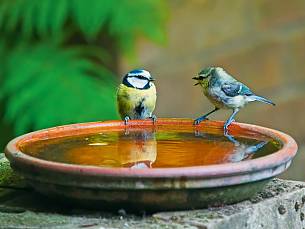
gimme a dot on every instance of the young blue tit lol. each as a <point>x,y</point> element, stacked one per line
<point>136,96</point>
<point>224,92</point>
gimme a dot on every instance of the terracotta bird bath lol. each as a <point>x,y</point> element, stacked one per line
<point>171,165</point>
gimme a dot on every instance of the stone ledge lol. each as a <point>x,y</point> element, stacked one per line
<point>7,176</point>
<point>280,205</point>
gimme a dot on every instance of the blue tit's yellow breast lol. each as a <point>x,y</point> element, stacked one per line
<point>205,86</point>
<point>129,99</point>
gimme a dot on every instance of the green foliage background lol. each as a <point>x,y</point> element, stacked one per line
<point>57,57</point>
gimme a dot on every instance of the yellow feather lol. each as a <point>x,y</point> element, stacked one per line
<point>205,87</point>
<point>129,98</point>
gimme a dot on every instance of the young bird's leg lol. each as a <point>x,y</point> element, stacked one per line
<point>230,120</point>
<point>232,139</point>
<point>153,118</point>
<point>204,117</point>
<point>126,119</point>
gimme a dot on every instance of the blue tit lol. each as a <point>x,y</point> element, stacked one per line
<point>224,92</point>
<point>136,96</point>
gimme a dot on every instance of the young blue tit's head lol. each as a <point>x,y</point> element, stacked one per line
<point>204,75</point>
<point>139,78</point>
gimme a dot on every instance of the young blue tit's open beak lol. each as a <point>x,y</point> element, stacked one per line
<point>151,79</point>
<point>196,78</point>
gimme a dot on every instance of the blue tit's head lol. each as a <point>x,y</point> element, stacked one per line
<point>204,75</point>
<point>139,78</point>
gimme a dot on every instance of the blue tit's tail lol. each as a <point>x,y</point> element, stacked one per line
<point>262,99</point>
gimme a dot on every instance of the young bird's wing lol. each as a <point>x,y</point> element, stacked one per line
<point>235,88</point>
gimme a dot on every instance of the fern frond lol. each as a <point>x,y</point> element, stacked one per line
<point>138,17</point>
<point>53,86</point>
<point>11,14</point>
<point>124,19</point>
<point>91,17</point>
<point>51,16</point>
<point>45,17</point>
<point>47,81</point>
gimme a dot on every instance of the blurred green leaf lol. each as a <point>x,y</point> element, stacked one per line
<point>138,17</point>
<point>53,56</point>
<point>125,19</point>
<point>43,17</point>
<point>40,94</point>
<point>51,16</point>
<point>92,15</point>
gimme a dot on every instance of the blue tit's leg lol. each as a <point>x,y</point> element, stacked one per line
<point>232,139</point>
<point>126,119</point>
<point>204,117</point>
<point>230,120</point>
<point>153,118</point>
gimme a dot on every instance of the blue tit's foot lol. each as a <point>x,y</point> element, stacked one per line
<point>200,119</point>
<point>204,117</point>
<point>226,126</point>
<point>153,118</point>
<point>229,121</point>
<point>126,119</point>
<point>225,129</point>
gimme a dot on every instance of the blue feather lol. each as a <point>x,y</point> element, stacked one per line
<point>262,99</point>
<point>135,71</point>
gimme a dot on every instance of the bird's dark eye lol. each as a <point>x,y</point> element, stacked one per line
<point>201,77</point>
<point>141,77</point>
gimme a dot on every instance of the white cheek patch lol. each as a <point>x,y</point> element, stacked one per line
<point>136,82</point>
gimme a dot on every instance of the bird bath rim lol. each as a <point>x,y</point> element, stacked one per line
<point>277,161</point>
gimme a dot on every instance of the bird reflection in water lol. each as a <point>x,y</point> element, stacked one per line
<point>138,148</point>
<point>241,150</point>
<point>145,148</point>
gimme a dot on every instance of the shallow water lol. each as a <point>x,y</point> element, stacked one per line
<point>149,148</point>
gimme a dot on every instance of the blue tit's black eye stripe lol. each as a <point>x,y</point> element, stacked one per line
<point>136,76</point>
<point>140,77</point>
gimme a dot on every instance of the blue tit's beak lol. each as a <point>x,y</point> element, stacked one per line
<point>151,79</point>
<point>196,78</point>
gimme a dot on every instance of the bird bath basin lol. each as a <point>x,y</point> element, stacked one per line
<point>171,165</point>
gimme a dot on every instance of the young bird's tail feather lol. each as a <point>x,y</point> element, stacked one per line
<point>262,99</point>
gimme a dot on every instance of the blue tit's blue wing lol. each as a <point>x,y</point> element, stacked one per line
<point>235,88</point>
